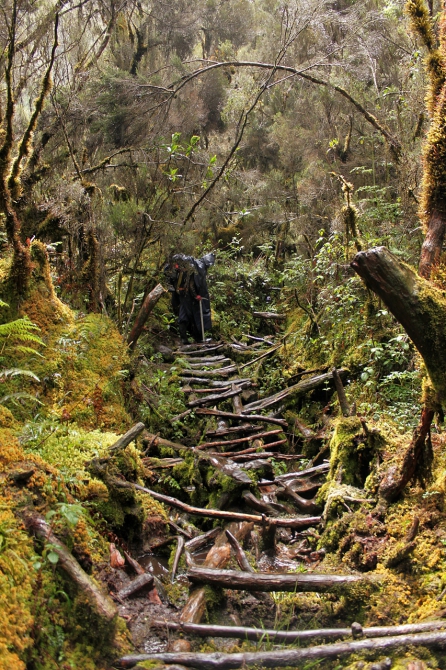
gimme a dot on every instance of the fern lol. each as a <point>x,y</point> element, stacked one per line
<point>16,337</point>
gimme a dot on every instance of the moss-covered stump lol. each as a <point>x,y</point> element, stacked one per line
<point>351,452</point>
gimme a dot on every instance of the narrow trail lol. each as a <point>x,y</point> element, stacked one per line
<point>275,516</point>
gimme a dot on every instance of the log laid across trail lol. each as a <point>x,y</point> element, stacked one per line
<point>303,386</point>
<point>241,417</point>
<point>291,636</point>
<point>302,522</point>
<point>286,657</point>
<point>249,438</point>
<point>272,581</point>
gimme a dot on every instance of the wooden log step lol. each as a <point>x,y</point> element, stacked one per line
<point>273,316</point>
<point>227,443</point>
<point>241,417</point>
<point>206,359</point>
<point>292,636</point>
<point>214,383</point>
<point>301,522</point>
<point>300,388</point>
<point>286,657</point>
<point>187,389</point>
<point>197,349</point>
<point>218,372</point>
<point>317,469</point>
<point>209,364</point>
<point>243,428</point>
<point>273,581</point>
<point>215,398</point>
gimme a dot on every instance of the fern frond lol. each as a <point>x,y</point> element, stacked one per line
<point>28,350</point>
<point>19,396</point>
<point>15,372</point>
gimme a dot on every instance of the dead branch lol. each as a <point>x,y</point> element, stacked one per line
<point>100,601</point>
<point>125,440</point>
<point>142,582</point>
<point>303,522</point>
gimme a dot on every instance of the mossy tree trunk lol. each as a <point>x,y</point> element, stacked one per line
<point>433,190</point>
<point>421,310</point>
<point>418,306</point>
<point>14,155</point>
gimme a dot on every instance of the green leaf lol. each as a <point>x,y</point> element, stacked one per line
<point>53,557</point>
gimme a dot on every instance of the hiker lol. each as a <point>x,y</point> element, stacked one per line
<point>186,277</point>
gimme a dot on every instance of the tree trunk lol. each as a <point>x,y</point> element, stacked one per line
<point>147,306</point>
<point>418,306</point>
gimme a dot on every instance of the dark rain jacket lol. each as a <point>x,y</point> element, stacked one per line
<point>187,283</point>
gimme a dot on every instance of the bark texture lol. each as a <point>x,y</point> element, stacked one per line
<point>414,302</point>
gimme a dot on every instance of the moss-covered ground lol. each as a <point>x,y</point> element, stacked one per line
<point>87,390</point>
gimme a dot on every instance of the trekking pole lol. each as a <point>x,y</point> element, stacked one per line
<point>201,317</point>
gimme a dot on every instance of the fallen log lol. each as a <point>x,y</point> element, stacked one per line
<point>202,540</point>
<point>214,383</point>
<point>128,437</point>
<point>219,372</point>
<point>102,603</point>
<point>161,463</point>
<point>270,315</point>
<point>286,657</point>
<point>149,303</point>
<point>176,560</point>
<point>208,363</point>
<point>218,556</point>
<point>156,440</point>
<point>269,581</point>
<point>292,636</point>
<point>189,389</point>
<point>191,349</point>
<point>216,397</point>
<point>224,443</point>
<point>243,428</point>
<point>240,417</point>
<point>258,339</point>
<point>142,582</point>
<point>301,387</point>
<point>259,358</point>
<point>317,469</point>
<point>303,522</point>
<point>183,415</point>
<point>207,359</point>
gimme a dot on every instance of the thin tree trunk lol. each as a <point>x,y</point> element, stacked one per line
<point>147,306</point>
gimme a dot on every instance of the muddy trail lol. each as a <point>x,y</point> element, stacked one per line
<point>210,579</point>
